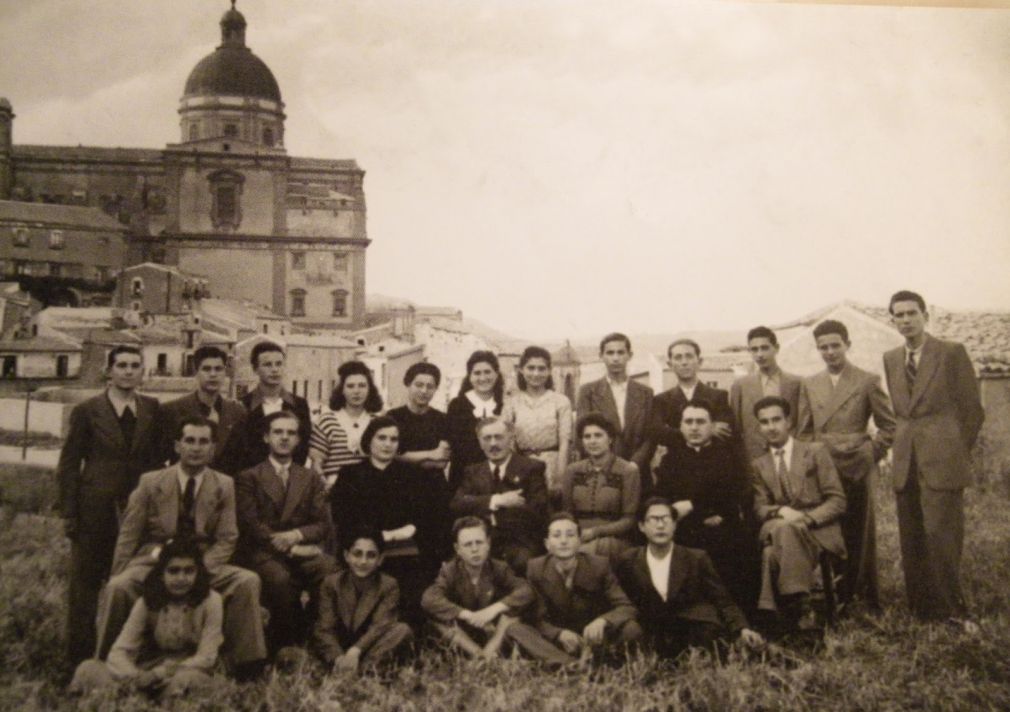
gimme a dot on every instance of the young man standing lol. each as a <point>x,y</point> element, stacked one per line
<point>939,415</point>
<point>112,439</point>
<point>624,402</point>
<point>835,409</point>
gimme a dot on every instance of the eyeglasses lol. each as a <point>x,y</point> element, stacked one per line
<point>658,519</point>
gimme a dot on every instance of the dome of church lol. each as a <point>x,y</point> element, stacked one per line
<point>232,69</point>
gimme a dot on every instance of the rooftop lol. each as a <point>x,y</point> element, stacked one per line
<point>53,215</point>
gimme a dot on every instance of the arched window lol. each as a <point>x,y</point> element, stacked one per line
<point>297,302</point>
<point>268,136</point>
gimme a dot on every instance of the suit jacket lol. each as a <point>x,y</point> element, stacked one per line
<point>743,394</point>
<point>264,508</point>
<point>153,511</point>
<point>938,419</point>
<point>523,524</point>
<point>453,591</point>
<point>254,449</point>
<point>96,463</point>
<point>347,620</point>
<point>668,406</point>
<point>227,441</point>
<point>632,442</point>
<point>816,491</point>
<point>694,593</point>
<point>595,593</point>
<point>838,415</point>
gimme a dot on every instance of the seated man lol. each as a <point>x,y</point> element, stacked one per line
<point>357,624</point>
<point>475,602</point>
<point>681,601</point>
<point>580,605</point>
<point>508,489</point>
<point>186,499</point>
<point>283,519</point>
<point>799,500</point>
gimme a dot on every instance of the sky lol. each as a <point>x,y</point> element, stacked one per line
<point>566,168</point>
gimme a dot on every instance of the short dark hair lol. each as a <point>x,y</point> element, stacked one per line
<point>599,420</point>
<point>153,589</point>
<point>643,509</point>
<point>684,342</point>
<point>489,358</point>
<point>373,401</point>
<point>198,421</point>
<point>422,368</point>
<point>530,353</point>
<point>122,349</point>
<point>563,516</point>
<point>831,326</point>
<point>264,347</point>
<point>280,415</point>
<point>770,401</point>
<point>763,332</point>
<point>488,420</point>
<point>703,403</point>
<point>374,426</point>
<point>469,522</point>
<point>615,336</point>
<point>205,352</point>
<point>370,533</point>
<point>906,295</point>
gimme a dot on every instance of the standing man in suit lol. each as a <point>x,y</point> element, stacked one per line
<point>767,380</point>
<point>283,520</point>
<point>211,364</point>
<point>507,489</point>
<point>799,500</point>
<point>625,403</point>
<point>112,439</point>
<point>269,397</point>
<point>939,414</point>
<point>835,408</point>
<point>187,499</point>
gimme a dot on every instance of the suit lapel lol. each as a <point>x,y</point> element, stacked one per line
<point>168,490</point>
<point>929,360</point>
<point>298,481</point>
<point>366,604</point>
<point>604,401</point>
<point>271,484</point>
<point>145,421</point>
<point>678,572</point>
<point>206,501</point>
<point>839,394</point>
<point>897,380</point>
<point>798,468</point>
<point>769,473</point>
<point>752,393</point>
<point>109,423</point>
<point>346,599</point>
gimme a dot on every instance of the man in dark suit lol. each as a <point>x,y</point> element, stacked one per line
<point>210,363</point>
<point>269,397</point>
<point>509,490</point>
<point>767,380</point>
<point>835,409</point>
<point>939,413</point>
<point>112,439</point>
<point>799,500</point>
<point>625,403</point>
<point>680,599</point>
<point>283,520</point>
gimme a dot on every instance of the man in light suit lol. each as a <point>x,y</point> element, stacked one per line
<point>835,408</point>
<point>211,364</point>
<point>939,415</point>
<point>507,489</point>
<point>283,520</point>
<point>767,380</point>
<point>112,439</point>
<point>799,500</point>
<point>191,500</point>
<point>625,403</point>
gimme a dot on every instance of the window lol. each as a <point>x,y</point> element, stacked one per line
<point>268,137</point>
<point>226,194</point>
<point>62,366</point>
<point>101,273</point>
<point>10,366</point>
<point>55,239</point>
<point>21,237</point>
<point>137,287</point>
<point>188,367</point>
<point>135,306</point>
<point>340,302</point>
<point>340,261</point>
<point>23,268</point>
<point>227,208</point>
<point>297,302</point>
<point>56,269</point>
<point>297,260</point>
<point>231,130</point>
<point>162,363</point>
<point>194,132</point>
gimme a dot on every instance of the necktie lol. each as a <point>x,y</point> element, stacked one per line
<point>910,368</point>
<point>783,472</point>
<point>128,424</point>
<point>496,473</point>
<point>283,474</point>
<point>187,522</point>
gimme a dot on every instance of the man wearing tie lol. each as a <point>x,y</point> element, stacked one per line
<point>939,415</point>
<point>509,490</point>
<point>624,402</point>
<point>112,439</point>
<point>191,500</point>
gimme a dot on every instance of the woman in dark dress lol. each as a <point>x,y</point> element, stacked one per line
<point>480,396</point>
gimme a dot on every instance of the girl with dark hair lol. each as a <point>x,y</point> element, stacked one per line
<point>336,433</point>
<point>169,644</point>
<point>541,416</point>
<point>480,395</point>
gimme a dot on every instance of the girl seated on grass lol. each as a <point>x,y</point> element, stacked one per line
<point>169,643</point>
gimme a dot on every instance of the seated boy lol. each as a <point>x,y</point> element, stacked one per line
<point>580,604</point>
<point>681,601</point>
<point>475,602</point>
<point>357,624</point>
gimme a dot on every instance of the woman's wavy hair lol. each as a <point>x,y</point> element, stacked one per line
<point>373,403</point>
<point>489,358</point>
<point>532,352</point>
<point>155,594</point>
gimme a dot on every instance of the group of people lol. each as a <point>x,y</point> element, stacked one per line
<point>206,525</point>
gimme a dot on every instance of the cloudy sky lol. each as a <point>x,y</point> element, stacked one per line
<point>565,168</point>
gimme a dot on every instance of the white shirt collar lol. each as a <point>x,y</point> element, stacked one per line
<point>120,404</point>
<point>481,408</point>
<point>787,450</point>
<point>688,392</point>
<point>182,478</point>
<point>502,467</point>
<point>659,571</point>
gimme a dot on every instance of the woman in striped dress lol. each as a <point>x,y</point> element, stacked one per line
<point>336,434</point>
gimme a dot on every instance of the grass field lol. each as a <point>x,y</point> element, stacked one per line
<point>885,663</point>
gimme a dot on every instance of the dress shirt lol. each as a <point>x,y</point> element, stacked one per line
<point>786,449</point>
<point>688,392</point>
<point>120,404</point>
<point>282,471</point>
<point>620,392</point>
<point>835,377</point>
<point>210,412</point>
<point>659,571</point>
<point>183,478</point>
<point>272,405</point>
<point>771,385</point>
<point>915,355</point>
<point>502,467</point>
<point>567,573</point>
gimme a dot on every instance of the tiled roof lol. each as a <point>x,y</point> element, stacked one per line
<point>52,215</point>
<point>40,343</point>
<point>87,153</point>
